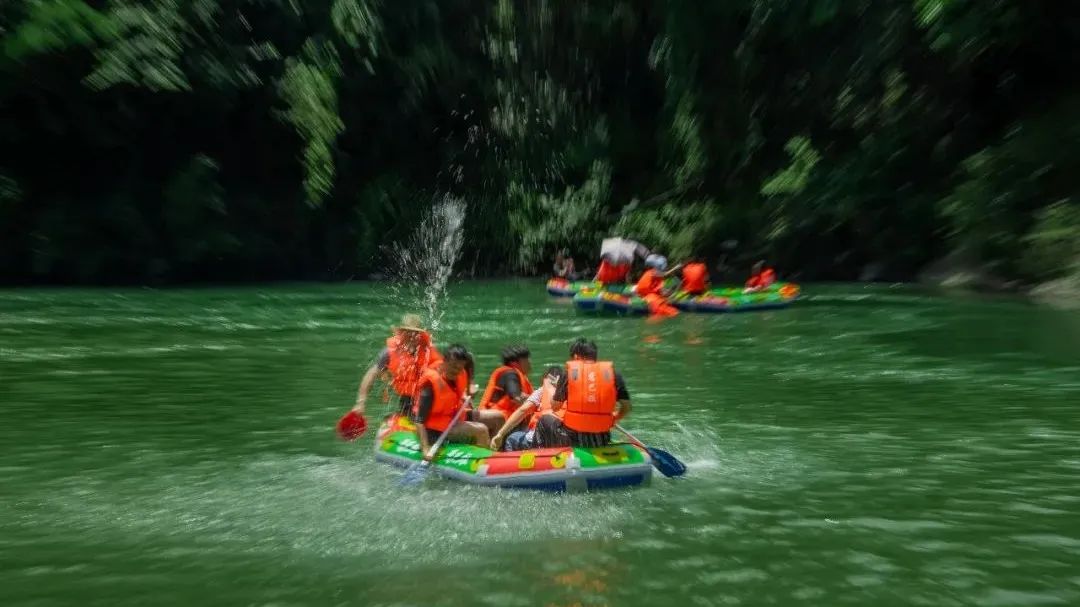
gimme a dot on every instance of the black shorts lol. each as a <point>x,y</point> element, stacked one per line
<point>550,432</point>
<point>405,405</point>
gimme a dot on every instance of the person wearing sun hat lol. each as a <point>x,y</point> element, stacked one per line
<point>407,354</point>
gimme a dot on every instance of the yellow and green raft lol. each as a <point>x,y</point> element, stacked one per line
<point>561,469</point>
<point>594,299</point>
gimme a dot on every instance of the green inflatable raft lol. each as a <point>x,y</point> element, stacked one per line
<point>560,469</point>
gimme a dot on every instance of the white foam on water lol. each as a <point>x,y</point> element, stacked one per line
<point>331,506</point>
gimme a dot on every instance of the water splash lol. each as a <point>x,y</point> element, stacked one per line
<point>421,266</point>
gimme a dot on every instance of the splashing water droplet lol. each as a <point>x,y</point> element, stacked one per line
<point>423,264</point>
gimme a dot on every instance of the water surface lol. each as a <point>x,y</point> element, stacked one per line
<point>869,446</point>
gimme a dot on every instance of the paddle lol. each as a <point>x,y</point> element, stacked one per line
<point>666,463</point>
<point>419,471</point>
<point>351,426</point>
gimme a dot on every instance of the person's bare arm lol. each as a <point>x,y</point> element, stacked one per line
<point>425,399</point>
<point>622,409</point>
<point>365,388</point>
<point>511,422</point>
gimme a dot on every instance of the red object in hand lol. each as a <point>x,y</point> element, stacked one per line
<point>351,426</point>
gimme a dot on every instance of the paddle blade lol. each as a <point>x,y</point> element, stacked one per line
<point>351,426</point>
<point>666,463</point>
<point>415,474</point>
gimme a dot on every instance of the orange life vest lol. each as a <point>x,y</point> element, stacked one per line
<point>505,404</point>
<point>610,273</point>
<point>659,306</point>
<point>590,396</point>
<point>546,395</point>
<point>445,402</point>
<point>694,278</point>
<point>405,367</point>
<point>649,283</point>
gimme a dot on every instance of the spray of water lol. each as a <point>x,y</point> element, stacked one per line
<point>422,265</point>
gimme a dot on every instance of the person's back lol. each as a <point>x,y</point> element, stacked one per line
<point>592,396</point>
<point>649,283</point>
<point>695,278</point>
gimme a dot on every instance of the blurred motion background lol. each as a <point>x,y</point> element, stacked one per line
<point>162,141</point>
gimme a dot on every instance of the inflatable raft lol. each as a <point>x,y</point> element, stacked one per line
<point>560,287</point>
<point>598,301</point>
<point>566,469</point>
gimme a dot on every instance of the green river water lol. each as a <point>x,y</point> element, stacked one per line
<point>868,446</point>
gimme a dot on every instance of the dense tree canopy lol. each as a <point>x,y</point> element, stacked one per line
<point>176,140</point>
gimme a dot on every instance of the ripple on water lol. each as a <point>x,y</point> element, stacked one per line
<point>1000,597</point>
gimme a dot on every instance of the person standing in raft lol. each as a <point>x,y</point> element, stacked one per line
<point>507,388</point>
<point>616,255</point>
<point>650,286</point>
<point>536,406</point>
<point>695,277</point>
<point>407,353</point>
<point>761,278</point>
<point>592,398</point>
<point>438,398</point>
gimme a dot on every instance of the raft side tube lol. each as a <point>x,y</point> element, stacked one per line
<point>553,469</point>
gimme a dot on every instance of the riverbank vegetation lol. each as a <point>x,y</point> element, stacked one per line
<point>153,141</point>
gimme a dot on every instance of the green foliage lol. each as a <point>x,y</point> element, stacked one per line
<point>678,229</point>
<point>1053,244</point>
<point>148,48</point>
<point>792,180</point>
<point>309,88</point>
<point>358,23</point>
<point>572,219</point>
<point>1014,205</point>
<point>56,25</point>
<point>158,140</point>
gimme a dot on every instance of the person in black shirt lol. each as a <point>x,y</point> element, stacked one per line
<point>454,378</point>
<point>550,430</point>
<point>508,387</point>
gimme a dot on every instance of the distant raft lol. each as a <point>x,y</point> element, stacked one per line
<point>563,287</point>
<point>732,299</point>
<point>566,469</point>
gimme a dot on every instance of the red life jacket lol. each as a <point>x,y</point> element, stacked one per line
<point>695,277</point>
<point>405,367</point>
<point>445,402</point>
<point>762,280</point>
<point>546,395</point>
<point>505,404</point>
<point>649,283</point>
<point>610,273</point>
<point>590,396</point>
